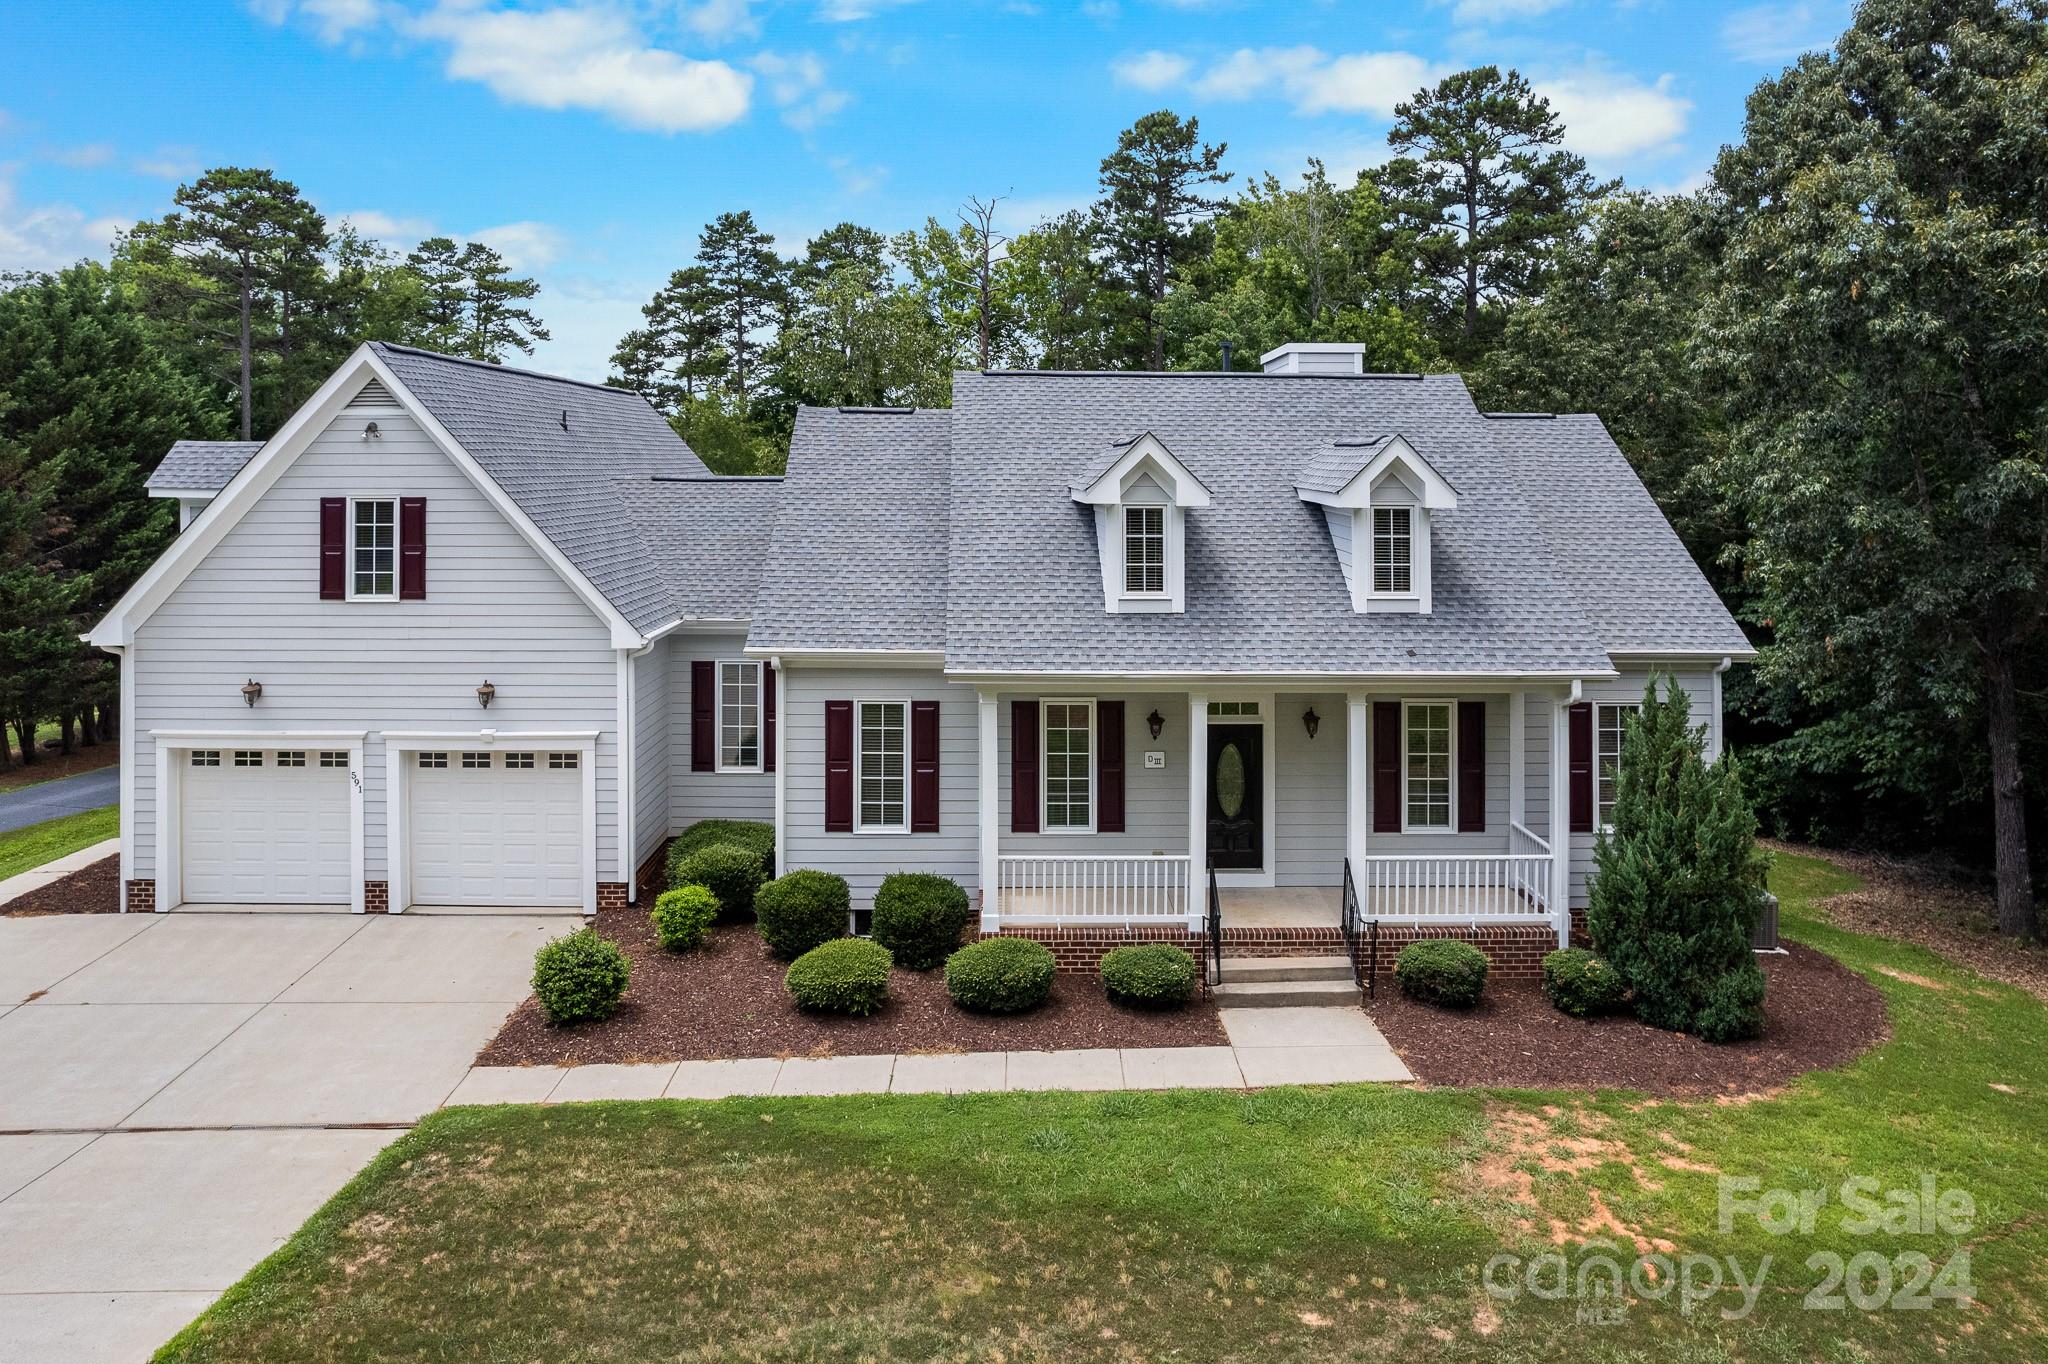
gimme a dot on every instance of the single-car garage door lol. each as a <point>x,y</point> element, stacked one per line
<point>495,828</point>
<point>264,826</point>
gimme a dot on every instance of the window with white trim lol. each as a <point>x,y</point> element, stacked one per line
<point>881,763</point>
<point>1426,764</point>
<point>518,762</point>
<point>248,757</point>
<point>1144,551</point>
<point>739,716</point>
<point>1225,708</point>
<point>206,757</point>
<point>1069,731</point>
<point>373,549</point>
<point>1610,727</point>
<point>1392,549</point>
<point>564,762</point>
<point>333,759</point>
<point>475,762</point>
<point>291,758</point>
<point>432,760</point>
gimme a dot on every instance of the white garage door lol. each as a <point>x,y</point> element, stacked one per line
<point>264,826</point>
<point>496,828</point>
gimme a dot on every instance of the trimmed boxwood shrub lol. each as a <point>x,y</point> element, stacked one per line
<point>845,976</point>
<point>753,835</point>
<point>1000,975</point>
<point>683,916</point>
<point>580,978</point>
<point>728,871</point>
<point>801,910</point>
<point>918,917</point>
<point>1582,983</point>
<point>1155,976</point>
<point>1442,971</point>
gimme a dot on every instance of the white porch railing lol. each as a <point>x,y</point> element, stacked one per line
<point>1457,888</point>
<point>1114,889</point>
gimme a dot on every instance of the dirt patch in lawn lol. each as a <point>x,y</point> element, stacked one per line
<point>1817,1013</point>
<point>726,999</point>
<point>94,889</point>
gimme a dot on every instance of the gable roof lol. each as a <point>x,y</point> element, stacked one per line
<point>1092,484</point>
<point>195,466</point>
<point>707,537</point>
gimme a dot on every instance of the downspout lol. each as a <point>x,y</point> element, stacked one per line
<point>1715,734</point>
<point>781,756</point>
<point>629,827</point>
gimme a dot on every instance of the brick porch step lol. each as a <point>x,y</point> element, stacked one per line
<point>1283,994</point>
<point>1286,968</point>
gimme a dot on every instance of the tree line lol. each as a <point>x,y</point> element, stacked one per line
<point>1825,365</point>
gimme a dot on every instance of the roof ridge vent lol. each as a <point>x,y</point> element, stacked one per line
<point>876,411</point>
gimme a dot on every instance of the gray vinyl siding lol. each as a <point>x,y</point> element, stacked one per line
<point>1308,816</point>
<point>1495,839</point>
<point>1699,690</point>
<point>651,748</point>
<point>865,858</point>
<point>494,609</point>
<point>707,795</point>
<point>1155,799</point>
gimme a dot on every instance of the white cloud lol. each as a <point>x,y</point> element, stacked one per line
<point>796,82</point>
<point>87,157</point>
<point>848,11</point>
<point>1781,32</point>
<point>398,233</point>
<point>526,246</point>
<point>1248,71</point>
<point>168,163</point>
<point>720,21</point>
<point>584,58</point>
<point>1494,11</point>
<point>1607,115</point>
<point>1151,70</point>
<point>49,236</point>
<point>855,177</point>
<point>333,20</point>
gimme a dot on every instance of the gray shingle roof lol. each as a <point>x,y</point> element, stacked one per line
<point>707,537</point>
<point>512,422</point>
<point>859,558</point>
<point>201,465</point>
<point>1329,469</point>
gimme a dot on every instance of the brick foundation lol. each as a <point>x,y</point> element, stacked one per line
<point>376,897</point>
<point>611,895</point>
<point>141,897</point>
<point>652,877</point>
<point>1515,952</point>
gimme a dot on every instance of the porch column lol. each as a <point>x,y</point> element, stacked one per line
<point>1518,760</point>
<point>1198,811</point>
<point>1357,778</point>
<point>985,772</point>
<point>1561,818</point>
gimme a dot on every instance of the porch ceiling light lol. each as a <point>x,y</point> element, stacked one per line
<point>486,694</point>
<point>1155,721</point>
<point>1311,722</point>
<point>251,690</point>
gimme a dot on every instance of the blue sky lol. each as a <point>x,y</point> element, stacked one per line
<point>590,139</point>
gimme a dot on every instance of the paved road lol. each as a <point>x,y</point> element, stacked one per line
<point>65,796</point>
<point>256,1049</point>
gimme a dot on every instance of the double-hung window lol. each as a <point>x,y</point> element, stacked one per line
<point>1426,766</point>
<point>881,762</point>
<point>1610,728</point>
<point>1392,549</point>
<point>1144,551</point>
<point>1069,765</point>
<point>739,716</point>
<point>373,549</point>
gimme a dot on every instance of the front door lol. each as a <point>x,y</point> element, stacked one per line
<point>1237,788</point>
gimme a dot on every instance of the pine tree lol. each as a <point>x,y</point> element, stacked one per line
<point>1152,218</point>
<point>1679,879</point>
<point>748,288</point>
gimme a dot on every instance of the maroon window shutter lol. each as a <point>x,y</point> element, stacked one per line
<point>412,549</point>
<point>1023,767</point>
<point>1579,731</point>
<point>924,767</point>
<point>1471,767</point>
<point>703,716</point>
<point>767,718</point>
<point>1386,767</point>
<point>333,548</point>
<point>1109,767</point>
<point>839,767</point>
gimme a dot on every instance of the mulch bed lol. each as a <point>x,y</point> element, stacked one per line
<point>726,999</point>
<point>1817,1013</point>
<point>93,889</point>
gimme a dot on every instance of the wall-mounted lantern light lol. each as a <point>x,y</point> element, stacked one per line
<point>486,694</point>
<point>370,431</point>
<point>1311,722</point>
<point>1156,721</point>
<point>251,690</point>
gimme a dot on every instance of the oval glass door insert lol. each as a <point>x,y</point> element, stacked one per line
<point>1230,781</point>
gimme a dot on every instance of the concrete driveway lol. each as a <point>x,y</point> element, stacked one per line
<point>178,1092</point>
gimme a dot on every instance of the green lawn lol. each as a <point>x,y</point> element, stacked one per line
<point>1339,1224</point>
<point>23,849</point>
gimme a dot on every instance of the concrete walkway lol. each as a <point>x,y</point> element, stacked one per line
<point>35,878</point>
<point>26,805</point>
<point>1308,1046</point>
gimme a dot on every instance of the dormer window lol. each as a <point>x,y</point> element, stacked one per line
<point>1378,496</point>
<point>1141,495</point>
<point>1144,551</point>
<point>1392,549</point>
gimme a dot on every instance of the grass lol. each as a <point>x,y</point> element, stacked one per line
<point>1349,1223</point>
<point>23,849</point>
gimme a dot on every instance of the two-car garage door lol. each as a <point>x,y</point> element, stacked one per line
<point>495,828</point>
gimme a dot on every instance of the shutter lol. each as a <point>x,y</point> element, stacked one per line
<point>703,716</point>
<point>1023,767</point>
<point>412,549</point>
<point>1471,767</point>
<point>767,718</point>
<point>333,548</point>
<point>839,767</point>
<point>1579,732</point>
<point>1109,767</point>
<point>1386,767</point>
<point>924,767</point>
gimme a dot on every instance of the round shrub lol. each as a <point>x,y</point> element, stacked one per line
<point>918,917</point>
<point>1000,975</point>
<point>1154,976</point>
<point>1442,971</point>
<point>1582,983</point>
<point>580,978</point>
<point>801,910</point>
<point>683,916</point>
<point>845,976</point>
<point>755,835</point>
<point>1733,1010</point>
<point>728,871</point>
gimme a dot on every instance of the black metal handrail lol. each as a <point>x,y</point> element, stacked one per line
<point>1215,928</point>
<point>1364,965</point>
